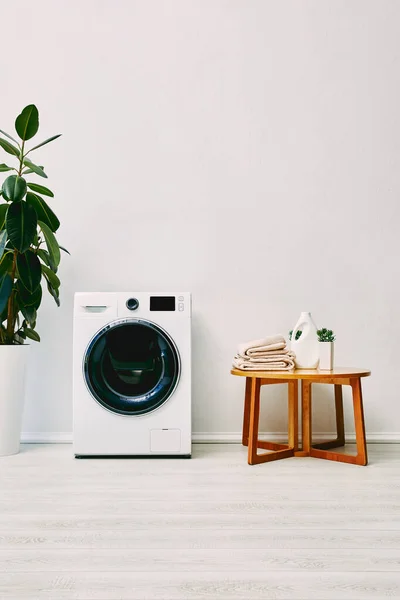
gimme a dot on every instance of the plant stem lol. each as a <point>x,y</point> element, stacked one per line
<point>10,315</point>
<point>21,159</point>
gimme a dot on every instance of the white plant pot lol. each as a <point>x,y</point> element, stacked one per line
<point>326,356</point>
<point>13,366</point>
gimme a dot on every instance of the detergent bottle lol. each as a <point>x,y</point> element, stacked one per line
<point>306,346</point>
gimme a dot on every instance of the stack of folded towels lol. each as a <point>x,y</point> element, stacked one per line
<point>267,354</point>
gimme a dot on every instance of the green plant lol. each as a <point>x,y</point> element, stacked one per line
<point>298,334</point>
<point>326,335</point>
<point>29,251</point>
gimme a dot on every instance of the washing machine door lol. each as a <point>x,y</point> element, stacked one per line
<point>132,366</point>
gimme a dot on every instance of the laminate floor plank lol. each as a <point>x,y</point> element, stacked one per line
<point>182,539</point>
<point>199,586</point>
<point>198,560</point>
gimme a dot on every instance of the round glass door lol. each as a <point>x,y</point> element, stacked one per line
<point>131,367</point>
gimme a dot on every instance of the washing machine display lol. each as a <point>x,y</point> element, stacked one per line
<point>132,366</point>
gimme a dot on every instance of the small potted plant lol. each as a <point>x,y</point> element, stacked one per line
<point>29,259</point>
<point>326,339</point>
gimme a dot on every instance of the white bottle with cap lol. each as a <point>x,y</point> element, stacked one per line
<point>306,346</point>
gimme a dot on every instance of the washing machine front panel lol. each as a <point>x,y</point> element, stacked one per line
<point>132,367</point>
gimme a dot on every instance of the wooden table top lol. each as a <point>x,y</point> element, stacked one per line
<point>337,373</point>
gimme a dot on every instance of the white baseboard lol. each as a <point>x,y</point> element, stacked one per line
<point>65,437</point>
<point>236,438</point>
<point>46,437</point>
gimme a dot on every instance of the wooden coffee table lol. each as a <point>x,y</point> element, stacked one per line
<point>338,377</point>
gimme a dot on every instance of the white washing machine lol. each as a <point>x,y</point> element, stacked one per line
<point>132,374</point>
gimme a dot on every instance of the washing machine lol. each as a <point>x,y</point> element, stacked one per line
<point>132,374</point>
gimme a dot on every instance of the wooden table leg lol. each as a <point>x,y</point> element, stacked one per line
<point>340,439</point>
<point>361,457</point>
<point>339,415</point>
<point>293,415</point>
<point>278,450</point>
<point>306,409</point>
<point>246,413</point>
<point>254,419</point>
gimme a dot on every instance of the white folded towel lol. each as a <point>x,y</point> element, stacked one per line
<point>277,362</point>
<point>285,355</point>
<point>259,347</point>
<point>266,354</point>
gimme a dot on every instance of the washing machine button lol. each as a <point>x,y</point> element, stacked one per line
<point>181,298</point>
<point>132,303</point>
<point>181,306</point>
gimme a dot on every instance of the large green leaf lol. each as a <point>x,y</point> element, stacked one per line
<point>3,239</point>
<point>54,137</point>
<point>9,147</point>
<point>6,263</point>
<point>33,335</point>
<point>10,137</point>
<point>54,293</point>
<point>40,189</point>
<point>4,167</point>
<point>51,242</point>
<point>25,298</point>
<point>21,223</point>
<point>46,258</point>
<point>14,188</point>
<point>3,213</point>
<point>29,270</point>
<point>30,170</point>
<point>43,211</point>
<point>6,285</point>
<point>51,277</point>
<point>34,168</point>
<point>27,123</point>
<point>30,315</point>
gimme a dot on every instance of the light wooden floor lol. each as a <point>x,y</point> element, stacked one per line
<point>211,527</point>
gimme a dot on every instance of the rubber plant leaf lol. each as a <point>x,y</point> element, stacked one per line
<point>10,137</point>
<point>3,240</point>
<point>40,189</point>
<point>3,214</point>
<point>43,211</point>
<point>5,290</point>
<point>9,147</point>
<point>28,299</point>
<point>21,223</point>
<point>30,315</point>
<point>54,137</point>
<point>32,334</point>
<point>34,168</point>
<point>27,123</point>
<point>29,270</point>
<point>51,243</point>
<point>54,293</point>
<point>14,188</point>
<point>6,263</point>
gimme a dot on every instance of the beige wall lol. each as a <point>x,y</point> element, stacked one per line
<point>247,151</point>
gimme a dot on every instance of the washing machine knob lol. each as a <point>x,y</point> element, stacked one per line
<point>132,303</point>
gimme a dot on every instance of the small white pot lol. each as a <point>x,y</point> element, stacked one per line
<point>13,366</point>
<point>326,352</point>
